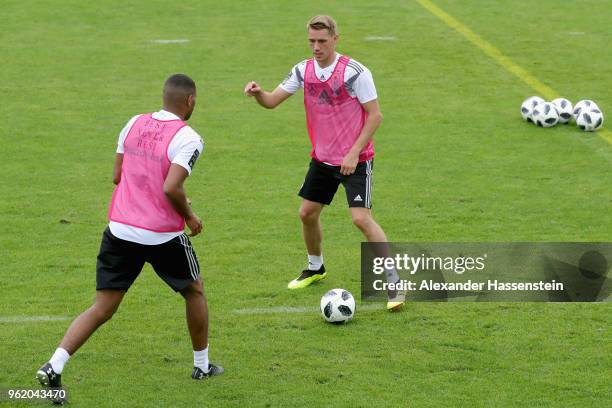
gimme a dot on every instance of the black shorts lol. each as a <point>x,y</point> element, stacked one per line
<point>322,181</point>
<point>120,262</point>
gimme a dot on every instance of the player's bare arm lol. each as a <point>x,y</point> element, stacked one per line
<point>268,100</point>
<point>349,163</point>
<point>117,168</point>
<point>175,192</point>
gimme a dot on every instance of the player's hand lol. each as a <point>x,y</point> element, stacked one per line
<point>349,164</point>
<point>252,88</point>
<point>195,224</point>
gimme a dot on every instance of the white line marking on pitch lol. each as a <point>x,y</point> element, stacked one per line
<point>298,309</point>
<point>25,319</point>
<point>179,41</point>
<point>380,38</point>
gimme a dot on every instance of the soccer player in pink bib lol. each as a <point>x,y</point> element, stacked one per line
<point>156,152</point>
<point>342,115</point>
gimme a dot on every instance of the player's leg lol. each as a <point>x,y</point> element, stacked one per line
<point>358,188</point>
<point>310,214</point>
<point>196,311</point>
<point>177,264</point>
<point>362,219</point>
<point>106,304</point>
<point>118,265</point>
<point>320,186</point>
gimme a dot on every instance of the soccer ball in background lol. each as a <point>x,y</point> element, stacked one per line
<point>528,105</point>
<point>584,104</point>
<point>586,113</point>
<point>564,109</point>
<point>590,119</point>
<point>545,115</point>
<point>338,306</point>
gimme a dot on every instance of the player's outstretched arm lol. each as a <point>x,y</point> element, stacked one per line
<point>174,191</point>
<point>268,100</point>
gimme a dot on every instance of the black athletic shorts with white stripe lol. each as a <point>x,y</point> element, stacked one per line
<point>120,262</point>
<point>322,181</point>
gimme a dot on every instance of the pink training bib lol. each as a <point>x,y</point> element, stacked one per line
<point>334,118</point>
<point>139,199</point>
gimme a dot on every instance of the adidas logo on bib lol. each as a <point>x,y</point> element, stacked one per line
<point>358,198</point>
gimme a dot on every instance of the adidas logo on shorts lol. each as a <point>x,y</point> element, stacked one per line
<point>358,198</point>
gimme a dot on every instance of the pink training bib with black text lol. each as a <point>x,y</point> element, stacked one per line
<point>334,118</point>
<point>139,199</point>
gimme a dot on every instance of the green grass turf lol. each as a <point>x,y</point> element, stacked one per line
<point>454,162</point>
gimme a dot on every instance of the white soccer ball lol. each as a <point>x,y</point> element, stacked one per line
<point>564,109</point>
<point>590,120</point>
<point>584,104</point>
<point>338,306</point>
<point>545,115</point>
<point>528,105</point>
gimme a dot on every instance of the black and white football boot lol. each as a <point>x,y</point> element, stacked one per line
<point>50,379</point>
<point>213,370</point>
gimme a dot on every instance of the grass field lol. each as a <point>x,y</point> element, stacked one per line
<point>455,163</point>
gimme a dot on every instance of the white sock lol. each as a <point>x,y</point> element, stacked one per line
<point>315,262</point>
<point>391,275</point>
<point>200,359</point>
<point>59,358</point>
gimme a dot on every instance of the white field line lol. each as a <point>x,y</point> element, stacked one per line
<point>300,309</point>
<point>27,319</point>
<point>380,38</point>
<point>179,41</point>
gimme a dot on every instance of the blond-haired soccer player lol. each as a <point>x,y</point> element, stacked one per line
<point>342,115</point>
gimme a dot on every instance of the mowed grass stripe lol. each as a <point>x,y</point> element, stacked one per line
<point>494,53</point>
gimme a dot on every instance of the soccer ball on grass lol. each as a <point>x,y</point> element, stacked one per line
<point>528,105</point>
<point>584,104</point>
<point>545,115</point>
<point>590,120</point>
<point>338,306</point>
<point>564,109</point>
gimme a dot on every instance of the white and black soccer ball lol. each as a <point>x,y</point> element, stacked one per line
<point>564,109</point>
<point>584,104</point>
<point>528,105</point>
<point>545,115</point>
<point>590,120</point>
<point>338,306</point>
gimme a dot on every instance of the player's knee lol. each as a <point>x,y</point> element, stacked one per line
<point>362,221</point>
<point>195,288</point>
<point>308,215</point>
<point>103,313</point>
